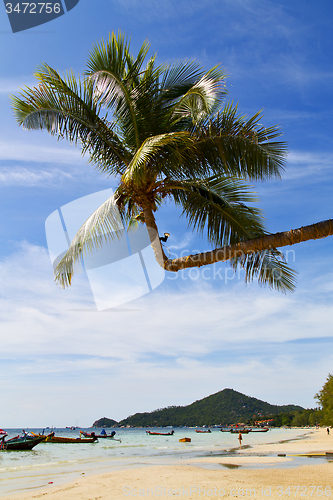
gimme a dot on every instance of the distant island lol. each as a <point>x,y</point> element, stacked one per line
<point>223,408</point>
<point>105,422</point>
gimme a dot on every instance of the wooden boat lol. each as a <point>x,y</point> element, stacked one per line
<point>242,431</point>
<point>98,436</point>
<point>59,439</point>
<point>225,430</point>
<point>160,433</point>
<point>185,440</point>
<point>51,438</point>
<point>19,443</point>
<point>265,429</point>
<point>203,432</point>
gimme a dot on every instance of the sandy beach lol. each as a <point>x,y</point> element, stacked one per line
<point>229,477</point>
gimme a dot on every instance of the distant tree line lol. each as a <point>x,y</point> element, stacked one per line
<point>323,415</point>
<point>300,418</point>
<point>325,400</point>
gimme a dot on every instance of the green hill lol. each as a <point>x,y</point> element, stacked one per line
<point>224,407</point>
<point>105,422</point>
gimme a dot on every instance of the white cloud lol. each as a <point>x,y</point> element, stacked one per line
<point>194,320</point>
<point>200,309</point>
<point>17,150</point>
<point>15,176</point>
<point>311,165</point>
<point>310,158</point>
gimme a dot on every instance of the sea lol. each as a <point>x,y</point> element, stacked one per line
<point>52,464</point>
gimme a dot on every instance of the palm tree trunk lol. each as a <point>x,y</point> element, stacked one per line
<point>305,233</point>
<point>155,242</point>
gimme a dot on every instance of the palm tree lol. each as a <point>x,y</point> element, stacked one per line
<point>166,132</point>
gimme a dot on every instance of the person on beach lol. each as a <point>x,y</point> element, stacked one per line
<point>240,438</point>
<point>328,430</point>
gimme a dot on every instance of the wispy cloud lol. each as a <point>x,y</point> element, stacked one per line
<point>15,150</point>
<point>20,176</point>
<point>304,164</point>
<point>184,243</point>
<point>28,289</point>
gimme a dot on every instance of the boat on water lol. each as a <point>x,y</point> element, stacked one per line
<point>102,435</point>
<point>185,440</point>
<point>151,433</point>
<point>203,432</point>
<point>51,438</point>
<point>19,443</point>
<point>59,439</point>
<point>234,430</point>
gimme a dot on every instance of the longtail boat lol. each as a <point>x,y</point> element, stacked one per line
<point>101,435</point>
<point>19,443</point>
<point>160,433</point>
<point>242,431</point>
<point>51,438</point>
<point>185,440</point>
<point>203,432</point>
<point>265,429</point>
<point>59,439</point>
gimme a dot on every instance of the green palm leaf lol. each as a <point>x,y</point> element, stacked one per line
<point>269,268</point>
<point>216,207</point>
<point>156,152</point>
<point>67,109</point>
<point>102,226</point>
<point>202,98</point>
<point>114,73</point>
<point>240,147</point>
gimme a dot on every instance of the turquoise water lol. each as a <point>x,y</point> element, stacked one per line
<point>61,463</point>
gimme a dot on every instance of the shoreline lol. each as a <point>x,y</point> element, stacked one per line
<point>257,471</point>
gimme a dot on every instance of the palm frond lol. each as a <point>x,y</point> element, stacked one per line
<point>155,155</point>
<point>269,267</point>
<point>200,101</point>
<point>216,207</point>
<point>102,226</point>
<point>116,76</point>
<point>239,146</point>
<point>179,77</point>
<point>65,107</point>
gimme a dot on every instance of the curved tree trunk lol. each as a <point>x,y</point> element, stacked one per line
<point>305,233</point>
<point>155,242</point>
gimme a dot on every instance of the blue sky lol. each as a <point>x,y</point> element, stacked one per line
<point>197,333</point>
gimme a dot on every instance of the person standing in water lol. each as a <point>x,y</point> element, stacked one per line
<point>240,438</point>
